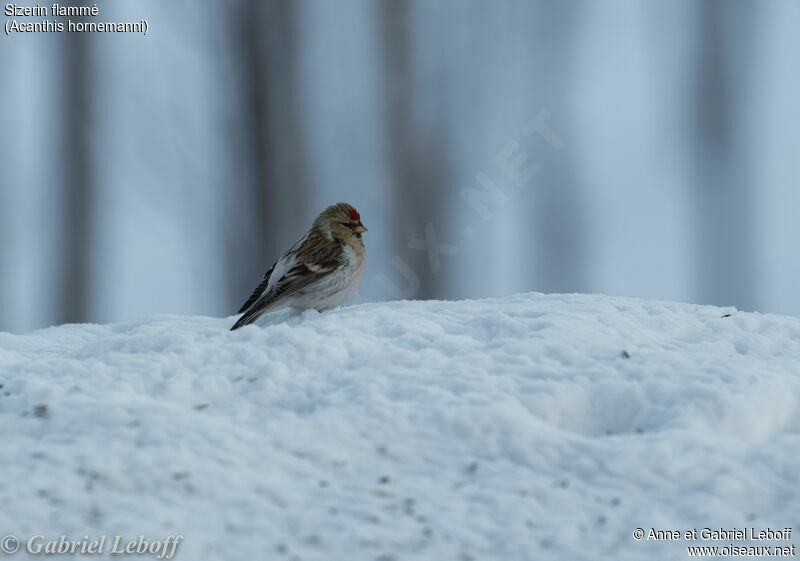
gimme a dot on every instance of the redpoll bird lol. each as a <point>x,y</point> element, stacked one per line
<point>321,270</point>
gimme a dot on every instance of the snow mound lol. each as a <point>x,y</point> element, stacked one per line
<point>531,427</point>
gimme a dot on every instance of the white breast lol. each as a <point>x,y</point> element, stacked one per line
<point>336,288</point>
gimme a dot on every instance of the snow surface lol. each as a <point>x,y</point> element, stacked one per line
<point>499,429</point>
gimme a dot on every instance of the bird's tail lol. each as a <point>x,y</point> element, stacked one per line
<point>256,311</point>
<point>247,318</point>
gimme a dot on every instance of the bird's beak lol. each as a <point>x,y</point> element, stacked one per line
<point>359,228</point>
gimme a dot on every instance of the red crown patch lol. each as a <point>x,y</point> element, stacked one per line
<point>353,213</point>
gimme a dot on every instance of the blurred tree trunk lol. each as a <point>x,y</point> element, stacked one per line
<point>77,179</point>
<point>268,181</point>
<point>416,156</point>
<point>725,249</point>
<point>5,261</point>
<point>557,205</point>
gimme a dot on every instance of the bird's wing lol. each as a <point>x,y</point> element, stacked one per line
<point>258,291</point>
<point>311,263</point>
<point>278,269</point>
<point>307,261</point>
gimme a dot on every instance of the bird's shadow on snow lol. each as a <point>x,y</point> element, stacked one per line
<point>287,316</point>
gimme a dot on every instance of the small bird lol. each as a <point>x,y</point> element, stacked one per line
<point>321,270</point>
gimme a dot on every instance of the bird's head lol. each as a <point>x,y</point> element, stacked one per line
<point>341,222</point>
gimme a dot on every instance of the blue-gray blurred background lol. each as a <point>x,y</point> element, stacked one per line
<point>632,148</point>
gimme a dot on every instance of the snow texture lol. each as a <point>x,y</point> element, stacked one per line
<point>530,427</point>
